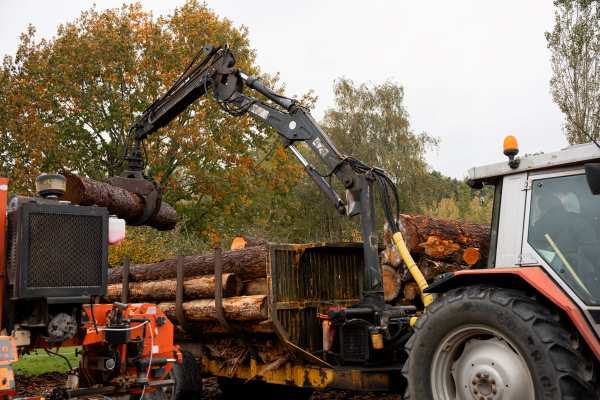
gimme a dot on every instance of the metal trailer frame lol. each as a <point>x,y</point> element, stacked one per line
<point>300,278</point>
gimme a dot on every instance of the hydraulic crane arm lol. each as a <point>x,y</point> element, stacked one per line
<point>294,124</point>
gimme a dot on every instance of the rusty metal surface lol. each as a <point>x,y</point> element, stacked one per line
<point>301,277</point>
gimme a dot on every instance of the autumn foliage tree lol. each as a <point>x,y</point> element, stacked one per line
<point>68,103</point>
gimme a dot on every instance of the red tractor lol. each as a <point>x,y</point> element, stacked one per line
<point>528,327</point>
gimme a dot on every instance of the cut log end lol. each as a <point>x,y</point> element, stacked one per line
<point>255,286</point>
<point>410,291</point>
<point>242,242</point>
<point>471,256</point>
<point>391,283</point>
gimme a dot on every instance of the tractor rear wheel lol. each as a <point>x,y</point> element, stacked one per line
<point>491,343</point>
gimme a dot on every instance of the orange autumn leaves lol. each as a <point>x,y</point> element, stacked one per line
<point>68,102</point>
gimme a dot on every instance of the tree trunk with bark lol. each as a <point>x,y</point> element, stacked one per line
<point>438,239</point>
<point>438,246</point>
<point>240,308</point>
<point>118,201</point>
<point>255,286</point>
<point>202,287</point>
<point>248,263</point>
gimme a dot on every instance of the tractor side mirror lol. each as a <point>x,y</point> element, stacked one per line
<point>592,173</point>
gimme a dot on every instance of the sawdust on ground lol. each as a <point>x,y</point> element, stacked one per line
<point>43,385</point>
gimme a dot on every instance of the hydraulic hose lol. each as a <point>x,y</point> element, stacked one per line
<point>414,270</point>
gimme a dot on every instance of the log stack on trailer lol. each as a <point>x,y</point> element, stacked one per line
<point>244,288</point>
<point>438,245</point>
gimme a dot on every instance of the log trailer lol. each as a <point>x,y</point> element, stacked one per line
<point>526,327</point>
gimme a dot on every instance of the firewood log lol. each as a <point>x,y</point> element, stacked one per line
<point>240,308</point>
<point>202,287</point>
<point>255,286</point>
<point>248,263</point>
<point>432,268</point>
<point>118,201</point>
<point>440,239</point>
<point>211,327</point>
<point>391,283</point>
<point>391,257</point>
<point>410,291</point>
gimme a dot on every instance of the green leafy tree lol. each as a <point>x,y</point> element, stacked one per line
<point>447,208</point>
<point>371,124</point>
<point>368,122</point>
<point>575,47</point>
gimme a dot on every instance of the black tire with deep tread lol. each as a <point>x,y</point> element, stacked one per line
<point>188,379</point>
<point>560,364</point>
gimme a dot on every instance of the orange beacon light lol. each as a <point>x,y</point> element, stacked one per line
<point>511,149</point>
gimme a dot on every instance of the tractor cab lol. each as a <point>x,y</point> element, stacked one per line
<point>545,214</point>
<point>527,326</point>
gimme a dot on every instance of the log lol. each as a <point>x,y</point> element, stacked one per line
<point>249,263</point>
<point>202,287</point>
<point>242,241</point>
<point>118,201</point>
<point>440,239</point>
<point>255,286</point>
<point>391,283</point>
<point>410,291</point>
<point>240,308</point>
<point>217,328</point>
<point>391,257</point>
<point>432,268</point>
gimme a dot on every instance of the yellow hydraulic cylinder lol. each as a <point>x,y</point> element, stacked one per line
<point>414,270</point>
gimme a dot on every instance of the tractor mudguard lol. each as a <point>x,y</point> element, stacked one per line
<point>524,278</point>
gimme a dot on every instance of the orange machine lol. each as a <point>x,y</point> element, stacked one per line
<point>53,268</point>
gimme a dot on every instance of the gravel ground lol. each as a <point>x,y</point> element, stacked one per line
<point>212,392</point>
<point>43,385</point>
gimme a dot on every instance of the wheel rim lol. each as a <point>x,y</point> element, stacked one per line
<point>477,362</point>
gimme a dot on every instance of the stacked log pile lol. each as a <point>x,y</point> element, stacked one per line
<point>438,246</point>
<point>243,280</point>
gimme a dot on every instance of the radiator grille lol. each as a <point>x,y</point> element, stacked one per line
<point>57,250</point>
<point>354,339</point>
<point>64,250</point>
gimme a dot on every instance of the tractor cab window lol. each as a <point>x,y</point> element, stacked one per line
<point>564,229</point>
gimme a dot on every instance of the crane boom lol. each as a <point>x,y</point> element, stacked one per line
<point>216,72</point>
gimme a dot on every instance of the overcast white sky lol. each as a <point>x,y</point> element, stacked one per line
<point>473,70</point>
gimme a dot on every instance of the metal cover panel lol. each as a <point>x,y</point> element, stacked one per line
<point>512,214</point>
